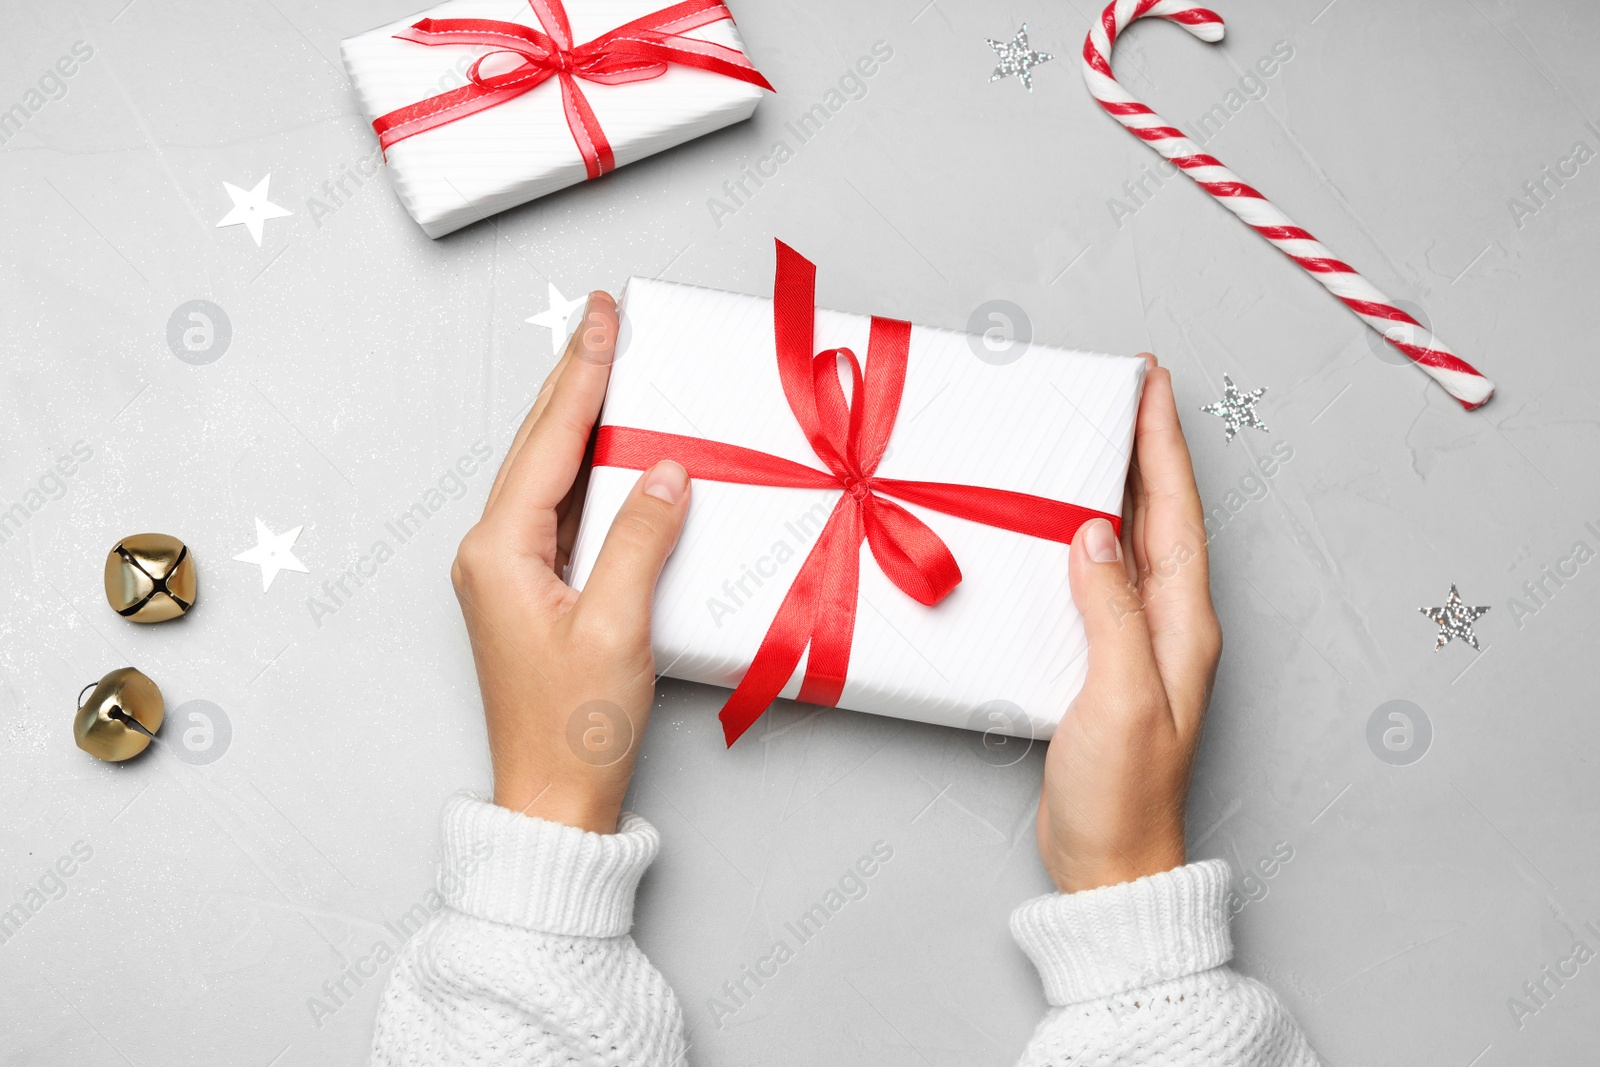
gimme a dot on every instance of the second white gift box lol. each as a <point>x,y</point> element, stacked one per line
<point>792,529</point>
<point>482,105</point>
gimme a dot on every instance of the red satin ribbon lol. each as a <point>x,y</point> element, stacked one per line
<point>819,611</point>
<point>637,51</point>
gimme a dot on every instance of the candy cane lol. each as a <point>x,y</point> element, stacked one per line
<point>1459,379</point>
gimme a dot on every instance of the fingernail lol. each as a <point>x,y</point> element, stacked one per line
<point>666,481</point>
<point>1100,541</point>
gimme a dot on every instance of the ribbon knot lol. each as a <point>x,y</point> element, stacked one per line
<point>637,51</point>
<point>817,616</point>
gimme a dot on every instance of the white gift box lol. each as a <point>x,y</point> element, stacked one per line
<point>1005,651</point>
<point>523,148</point>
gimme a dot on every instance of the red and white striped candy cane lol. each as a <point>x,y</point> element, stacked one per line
<point>1254,210</point>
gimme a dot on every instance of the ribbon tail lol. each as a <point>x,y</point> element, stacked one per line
<point>781,647</point>
<point>834,630</point>
<point>792,629</point>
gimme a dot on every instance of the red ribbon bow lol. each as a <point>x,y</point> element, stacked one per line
<point>638,51</point>
<point>849,436</point>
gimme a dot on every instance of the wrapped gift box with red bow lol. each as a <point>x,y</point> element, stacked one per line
<point>481,105</point>
<point>881,512</point>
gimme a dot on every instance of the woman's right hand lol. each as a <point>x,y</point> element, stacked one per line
<point>1116,777</point>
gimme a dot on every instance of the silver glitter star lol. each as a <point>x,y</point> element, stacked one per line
<point>1017,58</point>
<point>1455,620</point>
<point>1237,409</point>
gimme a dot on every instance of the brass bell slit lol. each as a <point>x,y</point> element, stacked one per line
<point>120,717</point>
<point>150,577</point>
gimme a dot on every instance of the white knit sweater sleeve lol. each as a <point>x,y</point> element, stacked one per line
<point>529,960</point>
<point>1136,974</point>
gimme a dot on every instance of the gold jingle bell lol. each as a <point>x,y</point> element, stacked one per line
<point>150,577</point>
<point>107,724</point>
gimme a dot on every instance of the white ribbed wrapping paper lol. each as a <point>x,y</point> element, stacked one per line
<point>1054,423</point>
<point>523,149</point>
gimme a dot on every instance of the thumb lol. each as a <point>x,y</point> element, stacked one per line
<point>1120,653</point>
<point>641,537</point>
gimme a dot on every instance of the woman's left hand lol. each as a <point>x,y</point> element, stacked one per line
<point>567,678</point>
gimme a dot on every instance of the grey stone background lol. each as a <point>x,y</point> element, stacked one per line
<point>364,360</point>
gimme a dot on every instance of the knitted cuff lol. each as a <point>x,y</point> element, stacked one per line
<point>510,868</point>
<point>1102,941</point>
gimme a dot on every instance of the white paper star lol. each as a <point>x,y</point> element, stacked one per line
<point>555,317</point>
<point>1455,620</point>
<point>272,553</point>
<point>1237,409</point>
<point>252,209</point>
<point>1017,58</point>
